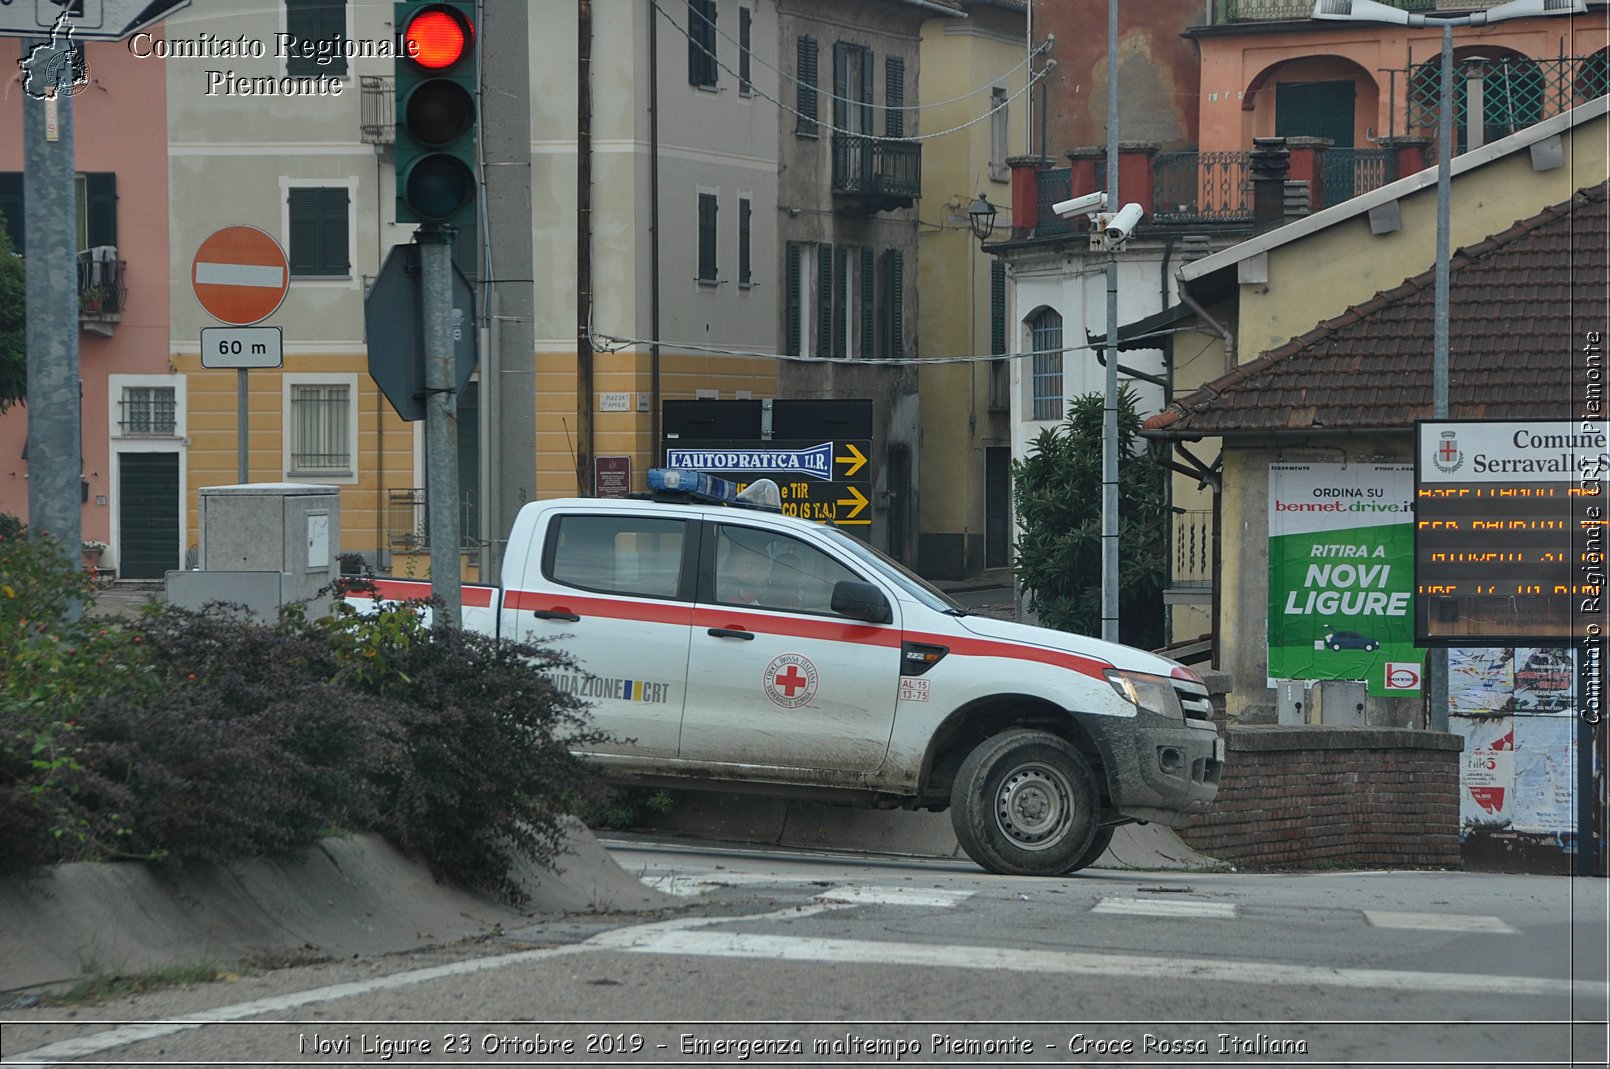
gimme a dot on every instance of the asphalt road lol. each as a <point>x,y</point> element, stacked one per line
<point>879,960</point>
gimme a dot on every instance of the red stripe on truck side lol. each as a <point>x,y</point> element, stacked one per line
<point>827,629</point>
<point>475,597</point>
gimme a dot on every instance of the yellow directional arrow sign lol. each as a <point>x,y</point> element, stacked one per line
<point>856,502</point>
<point>856,461</point>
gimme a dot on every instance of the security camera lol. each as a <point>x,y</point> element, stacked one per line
<point>1121,224</point>
<point>1090,202</point>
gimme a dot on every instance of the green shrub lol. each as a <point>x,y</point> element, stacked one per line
<point>184,736</point>
<point>1058,493</point>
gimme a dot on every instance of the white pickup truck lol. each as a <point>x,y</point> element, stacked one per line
<point>736,648</point>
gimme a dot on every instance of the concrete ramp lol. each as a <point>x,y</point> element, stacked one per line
<point>1154,847</point>
<point>355,895</point>
<point>743,818</point>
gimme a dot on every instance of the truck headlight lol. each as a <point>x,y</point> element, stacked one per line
<point>1155,694</point>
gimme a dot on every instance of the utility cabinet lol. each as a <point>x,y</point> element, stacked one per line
<point>253,532</point>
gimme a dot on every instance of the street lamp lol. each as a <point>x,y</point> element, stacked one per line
<point>1370,11</point>
<point>981,218</point>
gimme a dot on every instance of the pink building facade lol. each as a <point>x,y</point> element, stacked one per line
<point>132,426</point>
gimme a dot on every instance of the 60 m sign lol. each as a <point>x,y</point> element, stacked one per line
<point>241,347</point>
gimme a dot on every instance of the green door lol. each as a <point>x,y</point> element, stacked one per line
<point>1321,109</point>
<point>147,515</point>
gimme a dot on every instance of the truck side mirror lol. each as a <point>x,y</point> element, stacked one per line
<point>860,601</point>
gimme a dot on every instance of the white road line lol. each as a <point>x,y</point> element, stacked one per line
<point>1439,922</point>
<point>239,275</point>
<point>1171,907</point>
<point>83,1046</point>
<point>892,896</point>
<point>679,936</point>
<point>1197,970</point>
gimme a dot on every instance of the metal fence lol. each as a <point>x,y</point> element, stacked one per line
<point>1199,187</point>
<point>1508,92</point>
<point>1191,549</point>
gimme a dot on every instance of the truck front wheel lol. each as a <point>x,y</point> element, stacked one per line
<point>1024,803</point>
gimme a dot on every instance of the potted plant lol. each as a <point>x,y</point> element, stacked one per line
<point>90,300</point>
<point>93,548</point>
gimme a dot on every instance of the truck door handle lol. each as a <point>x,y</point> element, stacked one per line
<point>557,614</point>
<point>732,632</point>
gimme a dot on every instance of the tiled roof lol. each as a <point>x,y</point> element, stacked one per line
<point>1520,302</point>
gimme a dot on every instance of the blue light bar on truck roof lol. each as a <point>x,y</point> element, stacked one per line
<point>760,494</point>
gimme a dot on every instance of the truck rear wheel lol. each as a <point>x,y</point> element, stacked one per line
<point>1024,803</point>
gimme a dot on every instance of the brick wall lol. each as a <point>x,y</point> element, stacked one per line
<point>1354,796</point>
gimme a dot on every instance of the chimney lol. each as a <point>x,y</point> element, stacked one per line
<point>1270,165</point>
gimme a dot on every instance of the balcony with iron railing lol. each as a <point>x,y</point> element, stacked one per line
<point>876,174</point>
<point>101,290</point>
<point>1228,11</point>
<point>1194,187</point>
<point>377,110</point>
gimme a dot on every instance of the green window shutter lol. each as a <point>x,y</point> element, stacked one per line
<point>319,231</point>
<point>707,237</point>
<point>868,323</point>
<point>12,206</point>
<point>841,275</point>
<point>1315,109</point>
<point>824,300</point>
<point>702,42</point>
<point>806,74</point>
<point>745,275</point>
<point>894,277</point>
<point>304,251</point>
<point>894,91</point>
<point>792,327</point>
<point>865,109</point>
<point>841,85</point>
<point>333,232</point>
<point>841,91</point>
<point>744,32</point>
<point>100,197</point>
<point>997,307</point>
<point>310,22</point>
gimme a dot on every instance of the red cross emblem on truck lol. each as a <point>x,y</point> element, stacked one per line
<point>790,680</point>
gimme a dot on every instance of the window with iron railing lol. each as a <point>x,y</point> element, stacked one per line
<point>147,410</point>
<point>321,422</point>
<point>1045,338</point>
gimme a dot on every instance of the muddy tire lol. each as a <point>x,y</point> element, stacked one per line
<point>1025,803</point>
<point>1097,847</point>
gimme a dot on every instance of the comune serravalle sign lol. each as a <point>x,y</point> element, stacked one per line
<point>1510,531</point>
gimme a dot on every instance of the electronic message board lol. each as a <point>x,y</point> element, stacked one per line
<point>1509,540</point>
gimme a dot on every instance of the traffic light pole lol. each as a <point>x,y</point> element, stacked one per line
<point>441,421</point>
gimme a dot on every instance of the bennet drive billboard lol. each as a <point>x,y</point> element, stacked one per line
<point>1341,575</point>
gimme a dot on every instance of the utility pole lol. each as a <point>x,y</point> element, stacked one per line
<point>1109,412</point>
<point>441,420</point>
<point>508,370</point>
<point>584,242</point>
<point>55,457</point>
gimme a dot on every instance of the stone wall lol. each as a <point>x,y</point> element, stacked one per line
<point>1307,795</point>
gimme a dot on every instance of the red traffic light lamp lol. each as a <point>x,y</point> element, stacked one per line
<point>436,112</point>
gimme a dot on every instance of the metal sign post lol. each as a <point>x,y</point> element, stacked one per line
<point>240,275</point>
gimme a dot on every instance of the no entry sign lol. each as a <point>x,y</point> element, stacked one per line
<point>240,275</point>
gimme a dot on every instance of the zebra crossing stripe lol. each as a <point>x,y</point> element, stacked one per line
<point>1157,907</point>
<point>1439,922</point>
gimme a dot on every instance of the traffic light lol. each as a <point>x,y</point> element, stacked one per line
<point>436,112</point>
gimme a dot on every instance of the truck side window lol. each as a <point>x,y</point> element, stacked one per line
<point>773,571</point>
<point>618,554</point>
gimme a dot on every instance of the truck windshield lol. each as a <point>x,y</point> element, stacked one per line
<point>897,573</point>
